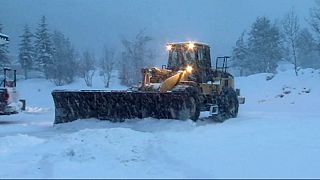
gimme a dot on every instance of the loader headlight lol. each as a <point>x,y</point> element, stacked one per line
<point>189,69</point>
<point>190,45</point>
<point>169,47</point>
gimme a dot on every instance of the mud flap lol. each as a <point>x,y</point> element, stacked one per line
<point>241,99</point>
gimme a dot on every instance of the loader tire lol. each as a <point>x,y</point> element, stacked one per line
<point>194,110</point>
<point>194,106</point>
<point>230,104</point>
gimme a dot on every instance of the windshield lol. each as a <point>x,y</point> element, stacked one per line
<point>180,57</point>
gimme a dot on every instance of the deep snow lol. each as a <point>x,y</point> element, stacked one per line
<point>275,136</point>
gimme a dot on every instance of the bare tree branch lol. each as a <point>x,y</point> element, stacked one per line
<point>291,28</point>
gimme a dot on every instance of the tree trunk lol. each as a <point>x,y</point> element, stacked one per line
<point>25,73</point>
<point>294,58</point>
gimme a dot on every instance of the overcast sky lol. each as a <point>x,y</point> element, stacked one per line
<point>92,23</point>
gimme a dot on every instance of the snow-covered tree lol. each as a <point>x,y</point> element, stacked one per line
<point>315,24</point>
<point>26,51</point>
<point>315,19</point>
<point>291,27</point>
<point>307,50</point>
<point>107,65</point>
<point>4,60</point>
<point>43,49</point>
<point>64,65</point>
<point>135,56</point>
<point>124,69</point>
<point>87,67</point>
<point>264,46</point>
<point>240,55</point>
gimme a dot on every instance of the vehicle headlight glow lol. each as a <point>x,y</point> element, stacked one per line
<point>189,69</point>
<point>191,46</point>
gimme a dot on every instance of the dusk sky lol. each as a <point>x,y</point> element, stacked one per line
<point>91,24</point>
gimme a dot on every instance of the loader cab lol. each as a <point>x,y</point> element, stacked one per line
<point>192,54</point>
<point>9,78</point>
<point>188,53</point>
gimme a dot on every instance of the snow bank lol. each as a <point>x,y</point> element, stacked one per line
<point>12,144</point>
<point>284,92</point>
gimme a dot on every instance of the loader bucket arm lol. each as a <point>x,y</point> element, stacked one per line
<point>174,80</point>
<point>171,82</point>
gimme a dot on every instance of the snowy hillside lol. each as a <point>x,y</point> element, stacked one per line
<point>275,136</point>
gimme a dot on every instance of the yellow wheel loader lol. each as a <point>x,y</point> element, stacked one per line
<point>187,85</point>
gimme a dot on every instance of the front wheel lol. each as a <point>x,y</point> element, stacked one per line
<point>191,106</point>
<point>194,110</point>
<point>228,105</point>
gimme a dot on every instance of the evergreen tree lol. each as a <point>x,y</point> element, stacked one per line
<point>307,50</point>
<point>315,25</point>
<point>43,49</point>
<point>26,51</point>
<point>4,59</point>
<point>64,65</point>
<point>240,55</point>
<point>264,46</point>
<point>315,19</point>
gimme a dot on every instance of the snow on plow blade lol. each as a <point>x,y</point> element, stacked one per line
<point>117,106</point>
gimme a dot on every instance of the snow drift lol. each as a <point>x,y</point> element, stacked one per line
<point>275,136</point>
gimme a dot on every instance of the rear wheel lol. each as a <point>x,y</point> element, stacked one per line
<point>228,105</point>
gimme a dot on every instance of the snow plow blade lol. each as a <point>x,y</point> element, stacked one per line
<point>118,106</point>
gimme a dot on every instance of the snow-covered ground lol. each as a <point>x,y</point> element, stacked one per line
<point>277,135</point>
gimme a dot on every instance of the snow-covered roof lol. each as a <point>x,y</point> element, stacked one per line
<point>187,42</point>
<point>3,35</point>
<point>4,38</point>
